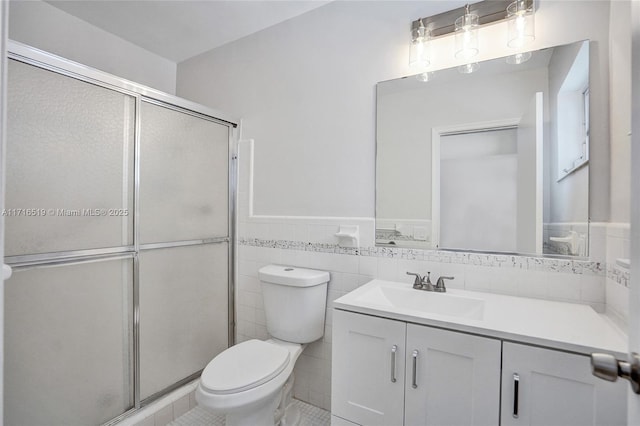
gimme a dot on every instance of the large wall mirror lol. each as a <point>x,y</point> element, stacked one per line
<point>492,161</point>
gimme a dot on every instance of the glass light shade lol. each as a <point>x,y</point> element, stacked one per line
<point>520,24</point>
<point>419,50</point>
<point>518,58</point>
<point>466,31</point>
<point>425,76</point>
<point>468,68</point>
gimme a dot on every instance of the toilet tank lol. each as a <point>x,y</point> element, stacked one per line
<point>295,300</point>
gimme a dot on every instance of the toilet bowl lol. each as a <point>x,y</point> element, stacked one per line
<point>245,382</point>
<point>251,382</point>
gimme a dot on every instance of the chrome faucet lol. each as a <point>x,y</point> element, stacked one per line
<point>440,284</point>
<point>422,283</point>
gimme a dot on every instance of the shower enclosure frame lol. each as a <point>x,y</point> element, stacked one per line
<point>47,61</point>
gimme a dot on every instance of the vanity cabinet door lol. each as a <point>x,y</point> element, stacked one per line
<point>451,378</point>
<point>557,388</point>
<point>367,369</point>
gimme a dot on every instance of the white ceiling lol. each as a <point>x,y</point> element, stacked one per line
<point>180,29</point>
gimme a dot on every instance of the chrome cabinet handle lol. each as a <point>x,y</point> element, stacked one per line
<point>516,385</point>
<point>414,382</point>
<point>394,349</point>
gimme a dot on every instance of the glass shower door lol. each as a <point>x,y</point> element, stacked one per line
<point>69,303</point>
<point>184,244</point>
<point>68,340</point>
<point>69,172</point>
<point>118,230</point>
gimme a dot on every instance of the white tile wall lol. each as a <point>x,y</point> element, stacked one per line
<point>617,281</point>
<point>598,241</point>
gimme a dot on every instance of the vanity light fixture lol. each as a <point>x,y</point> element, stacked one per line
<point>465,22</point>
<point>419,48</point>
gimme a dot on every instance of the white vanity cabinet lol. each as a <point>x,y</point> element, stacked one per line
<point>556,388</point>
<point>388,372</point>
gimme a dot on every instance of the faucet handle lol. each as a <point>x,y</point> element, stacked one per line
<point>417,283</point>
<point>440,287</point>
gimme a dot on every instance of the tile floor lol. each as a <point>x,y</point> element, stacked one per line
<point>310,416</point>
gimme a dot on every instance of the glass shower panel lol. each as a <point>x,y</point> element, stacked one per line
<point>68,334</point>
<point>184,176</point>
<point>183,312</point>
<point>70,175</point>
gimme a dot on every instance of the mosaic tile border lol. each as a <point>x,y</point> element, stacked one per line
<point>584,267</point>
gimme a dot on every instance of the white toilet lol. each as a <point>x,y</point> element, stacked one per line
<point>251,382</point>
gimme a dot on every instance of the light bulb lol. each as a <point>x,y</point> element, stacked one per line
<point>466,30</point>
<point>425,76</point>
<point>468,68</point>
<point>419,47</point>
<point>518,58</point>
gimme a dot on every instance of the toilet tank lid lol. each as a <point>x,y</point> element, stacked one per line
<point>292,276</point>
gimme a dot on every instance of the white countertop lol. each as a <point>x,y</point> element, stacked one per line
<point>566,326</point>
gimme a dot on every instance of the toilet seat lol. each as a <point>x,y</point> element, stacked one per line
<point>244,366</point>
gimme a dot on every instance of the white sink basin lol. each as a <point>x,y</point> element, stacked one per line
<point>424,301</point>
<point>568,326</point>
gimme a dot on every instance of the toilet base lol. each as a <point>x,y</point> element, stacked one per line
<point>259,415</point>
<point>291,416</point>
<point>287,414</point>
<point>278,411</point>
